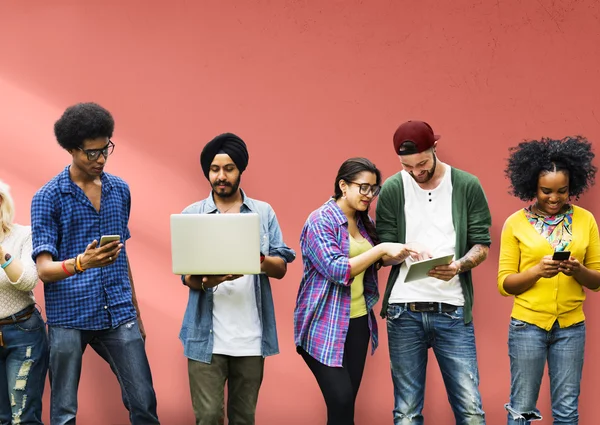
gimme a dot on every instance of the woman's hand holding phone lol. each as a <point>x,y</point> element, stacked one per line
<point>547,267</point>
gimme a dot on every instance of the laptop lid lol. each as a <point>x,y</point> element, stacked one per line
<point>215,244</point>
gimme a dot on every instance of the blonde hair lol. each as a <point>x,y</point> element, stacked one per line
<point>7,210</point>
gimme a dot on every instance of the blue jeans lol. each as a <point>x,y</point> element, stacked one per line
<point>529,347</point>
<point>123,349</point>
<point>23,368</point>
<point>410,335</point>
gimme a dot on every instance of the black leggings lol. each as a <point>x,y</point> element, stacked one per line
<point>339,385</point>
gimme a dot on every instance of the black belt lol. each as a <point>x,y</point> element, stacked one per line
<point>429,307</point>
<point>16,318</point>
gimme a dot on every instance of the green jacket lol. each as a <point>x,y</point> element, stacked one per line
<point>470,215</point>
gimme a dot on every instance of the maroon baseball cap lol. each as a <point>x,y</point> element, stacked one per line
<point>414,137</point>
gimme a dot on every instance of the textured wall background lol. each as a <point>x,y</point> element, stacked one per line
<point>307,84</point>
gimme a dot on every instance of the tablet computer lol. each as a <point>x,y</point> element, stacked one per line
<point>419,269</point>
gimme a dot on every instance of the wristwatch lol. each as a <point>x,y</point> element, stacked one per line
<point>7,261</point>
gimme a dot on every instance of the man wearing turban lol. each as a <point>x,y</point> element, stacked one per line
<point>229,323</point>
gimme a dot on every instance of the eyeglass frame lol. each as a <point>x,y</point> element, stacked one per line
<point>109,149</point>
<point>374,189</point>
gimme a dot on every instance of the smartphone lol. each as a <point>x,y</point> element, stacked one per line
<point>109,238</point>
<point>561,255</point>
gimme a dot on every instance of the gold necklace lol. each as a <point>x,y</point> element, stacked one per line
<point>225,211</point>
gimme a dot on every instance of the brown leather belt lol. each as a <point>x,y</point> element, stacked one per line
<point>19,317</point>
<point>429,307</point>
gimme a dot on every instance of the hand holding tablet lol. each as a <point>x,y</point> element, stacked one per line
<point>420,269</point>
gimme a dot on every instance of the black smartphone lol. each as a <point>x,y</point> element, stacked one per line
<point>561,255</point>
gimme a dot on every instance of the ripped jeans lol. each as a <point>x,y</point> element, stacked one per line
<point>23,368</point>
<point>123,349</point>
<point>529,348</point>
<point>410,335</point>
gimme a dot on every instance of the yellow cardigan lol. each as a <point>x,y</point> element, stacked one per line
<point>560,297</point>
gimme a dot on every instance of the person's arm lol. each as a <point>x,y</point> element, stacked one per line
<point>585,276</point>
<point>518,283</point>
<point>479,221</point>
<point>204,282</point>
<point>475,256</point>
<point>512,281</point>
<point>279,255</point>
<point>135,302</point>
<point>45,217</point>
<point>52,271</point>
<point>588,273</point>
<point>386,213</point>
<point>392,253</point>
<point>319,244</point>
<point>21,271</point>
<point>273,267</point>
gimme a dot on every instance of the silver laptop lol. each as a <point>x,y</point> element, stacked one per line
<point>215,243</point>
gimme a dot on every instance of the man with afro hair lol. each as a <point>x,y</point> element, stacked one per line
<point>88,288</point>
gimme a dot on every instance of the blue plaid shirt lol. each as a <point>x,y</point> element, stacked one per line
<point>63,223</point>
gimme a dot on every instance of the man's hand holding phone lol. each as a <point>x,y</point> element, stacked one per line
<point>101,254</point>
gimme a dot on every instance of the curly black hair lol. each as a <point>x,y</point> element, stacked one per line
<point>532,158</point>
<point>81,122</point>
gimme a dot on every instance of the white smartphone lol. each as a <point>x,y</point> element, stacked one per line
<point>109,238</point>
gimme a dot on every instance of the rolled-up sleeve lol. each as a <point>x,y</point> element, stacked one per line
<point>592,253</point>
<point>386,215</point>
<point>320,245</point>
<point>44,226</point>
<point>510,256</point>
<point>29,277</point>
<point>479,218</point>
<point>277,246</point>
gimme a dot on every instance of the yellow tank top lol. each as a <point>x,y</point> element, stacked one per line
<point>358,307</point>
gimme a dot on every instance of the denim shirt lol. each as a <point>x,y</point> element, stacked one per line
<point>197,329</point>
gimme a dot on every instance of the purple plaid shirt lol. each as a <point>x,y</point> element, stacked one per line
<point>322,313</point>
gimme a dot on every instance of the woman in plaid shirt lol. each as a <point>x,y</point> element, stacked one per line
<point>334,319</point>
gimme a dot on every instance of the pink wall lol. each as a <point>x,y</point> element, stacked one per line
<point>307,84</point>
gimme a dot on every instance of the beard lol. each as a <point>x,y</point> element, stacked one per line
<point>229,190</point>
<point>429,173</point>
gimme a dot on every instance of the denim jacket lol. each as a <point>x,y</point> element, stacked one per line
<point>197,329</point>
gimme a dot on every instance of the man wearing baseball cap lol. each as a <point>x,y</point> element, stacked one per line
<point>229,323</point>
<point>439,210</point>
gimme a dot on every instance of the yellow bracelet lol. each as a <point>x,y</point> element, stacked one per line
<point>78,264</point>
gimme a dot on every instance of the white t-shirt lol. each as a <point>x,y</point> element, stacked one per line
<point>428,215</point>
<point>236,326</point>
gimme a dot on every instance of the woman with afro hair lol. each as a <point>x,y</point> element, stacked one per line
<point>547,321</point>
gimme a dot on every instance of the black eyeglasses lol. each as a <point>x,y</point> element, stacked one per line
<point>94,154</point>
<point>365,188</point>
